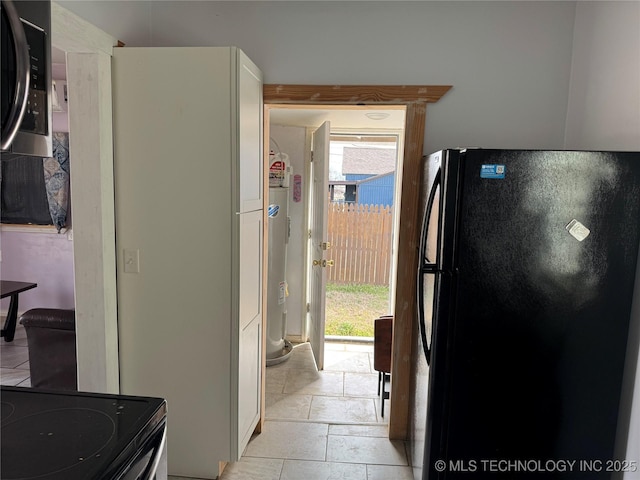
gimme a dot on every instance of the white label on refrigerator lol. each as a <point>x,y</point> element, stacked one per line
<point>282,292</point>
<point>577,230</point>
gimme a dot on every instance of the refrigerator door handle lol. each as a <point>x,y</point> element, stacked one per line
<point>423,333</point>
<point>426,267</point>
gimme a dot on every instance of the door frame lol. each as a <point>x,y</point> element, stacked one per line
<point>88,51</point>
<point>415,98</point>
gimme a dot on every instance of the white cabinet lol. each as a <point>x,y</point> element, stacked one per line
<point>250,132</point>
<point>250,324</point>
<point>189,209</point>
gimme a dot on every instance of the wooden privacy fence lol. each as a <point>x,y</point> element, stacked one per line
<point>360,237</point>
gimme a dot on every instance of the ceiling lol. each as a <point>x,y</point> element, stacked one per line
<point>347,117</point>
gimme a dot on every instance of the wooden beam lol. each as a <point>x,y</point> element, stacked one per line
<point>415,98</point>
<point>405,306</point>
<point>354,94</point>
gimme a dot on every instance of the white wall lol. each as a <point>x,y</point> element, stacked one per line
<point>604,114</point>
<point>604,98</point>
<point>45,258</point>
<point>508,62</point>
<point>292,141</point>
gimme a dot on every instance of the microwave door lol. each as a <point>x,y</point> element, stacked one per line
<point>15,73</point>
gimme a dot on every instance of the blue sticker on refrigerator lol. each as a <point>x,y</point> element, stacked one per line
<point>493,171</point>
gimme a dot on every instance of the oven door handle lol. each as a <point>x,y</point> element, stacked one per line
<point>143,463</point>
<point>150,472</point>
<point>19,100</point>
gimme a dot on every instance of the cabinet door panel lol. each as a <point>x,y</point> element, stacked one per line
<point>250,267</point>
<point>249,365</point>
<point>250,166</point>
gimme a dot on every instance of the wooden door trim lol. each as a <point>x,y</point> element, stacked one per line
<point>353,94</point>
<point>415,98</point>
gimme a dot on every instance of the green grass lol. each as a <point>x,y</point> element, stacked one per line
<point>351,309</point>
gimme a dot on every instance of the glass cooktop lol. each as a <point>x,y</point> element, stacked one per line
<point>51,435</point>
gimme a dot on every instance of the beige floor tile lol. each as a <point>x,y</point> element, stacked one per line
<point>251,468</point>
<point>12,355</point>
<point>279,406</point>
<point>359,347</point>
<point>301,358</point>
<point>290,440</point>
<point>360,384</point>
<point>25,383</point>
<point>369,450</point>
<point>388,472</point>
<point>20,337</point>
<point>360,430</point>
<point>275,379</point>
<point>23,366</point>
<point>9,376</point>
<point>387,409</point>
<point>342,409</point>
<point>332,346</point>
<point>19,341</point>
<point>357,362</point>
<point>314,383</point>
<point>301,470</point>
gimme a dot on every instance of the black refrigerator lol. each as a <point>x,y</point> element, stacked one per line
<point>526,281</point>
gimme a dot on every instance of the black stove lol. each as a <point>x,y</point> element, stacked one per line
<point>52,435</point>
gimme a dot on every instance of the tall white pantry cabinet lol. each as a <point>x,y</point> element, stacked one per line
<point>189,228</point>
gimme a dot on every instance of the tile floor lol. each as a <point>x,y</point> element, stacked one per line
<point>323,425</point>
<point>14,359</point>
<point>319,425</point>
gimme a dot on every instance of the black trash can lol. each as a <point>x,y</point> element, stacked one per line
<point>51,336</point>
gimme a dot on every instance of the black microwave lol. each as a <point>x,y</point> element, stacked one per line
<point>26,78</point>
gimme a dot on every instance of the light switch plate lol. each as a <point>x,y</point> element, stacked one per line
<point>131,260</point>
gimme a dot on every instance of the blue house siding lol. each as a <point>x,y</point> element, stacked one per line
<point>377,191</point>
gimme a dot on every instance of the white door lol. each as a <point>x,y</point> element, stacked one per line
<point>318,272</point>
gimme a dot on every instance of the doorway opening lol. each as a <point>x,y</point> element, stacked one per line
<point>352,131</point>
<point>363,180</point>
<point>413,98</point>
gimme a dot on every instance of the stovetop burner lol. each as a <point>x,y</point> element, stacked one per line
<point>63,435</point>
<point>63,438</point>
<point>6,410</point>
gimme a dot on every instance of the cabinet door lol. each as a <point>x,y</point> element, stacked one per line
<point>250,367</point>
<point>249,326</point>
<point>250,168</point>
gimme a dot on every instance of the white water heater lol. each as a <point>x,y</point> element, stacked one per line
<point>277,349</point>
